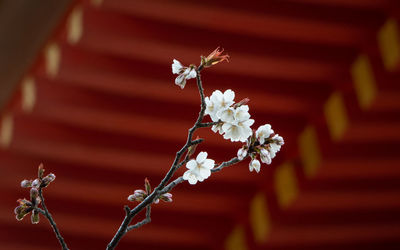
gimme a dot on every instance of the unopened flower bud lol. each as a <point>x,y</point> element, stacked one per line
<point>278,139</point>
<point>131,198</point>
<point>265,156</point>
<point>36,183</point>
<point>192,148</point>
<point>34,194</point>
<point>214,58</point>
<point>35,217</point>
<point>147,186</point>
<point>254,165</point>
<point>139,195</point>
<point>242,102</point>
<point>22,209</point>
<point>241,153</point>
<point>167,197</point>
<point>40,171</point>
<point>46,180</point>
<point>26,183</point>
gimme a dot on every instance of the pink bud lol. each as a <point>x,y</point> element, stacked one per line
<point>36,183</point>
<point>241,153</point>
<point>167,197</point>
<point>26,183</point>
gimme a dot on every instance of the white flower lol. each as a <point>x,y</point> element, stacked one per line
<point>275,146</point>
<point>217,102</point>
<point>264,132</point>
<point>237,131</point>
<point>255,165</point>
<point>199,169</point>
<point>211,109</point>
<point>176,67</point>
<point>235,119</point>
<point>185,73</point>
<point>224,100</point>
<point>241,153</point>
<point>226,115</point>
<point>239,128</point>
<point>242,113</point>
<point>265,156</point>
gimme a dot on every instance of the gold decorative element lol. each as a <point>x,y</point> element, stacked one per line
<point>28,90</point>
<point>259,218</point>
<point>236,240</point>
<point>286,184</point>
<point>75,25</point>
<point>389,44</point>
<point>6,130</point>
<point>364,81</point>
<point>336,116</point>
<point>309,151</point>
<point>53,58</point>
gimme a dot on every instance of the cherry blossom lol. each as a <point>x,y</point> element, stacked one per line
<point>254,165</point>
<point>264,132</point>
<point>199,169</point>
<point>185,73</point>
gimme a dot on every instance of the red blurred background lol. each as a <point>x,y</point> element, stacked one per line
<point>87,89</point>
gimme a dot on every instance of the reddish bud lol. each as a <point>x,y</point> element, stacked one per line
<point>147,186</point>
<point>214,58</point>
<point>40,171</point>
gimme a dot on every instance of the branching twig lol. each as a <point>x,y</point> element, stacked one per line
<point>53,224</point>
<point>143,222</point>
<point>177,163</point>
<point>207,124</point>
<point>174,167</point>
<point>179,180</point>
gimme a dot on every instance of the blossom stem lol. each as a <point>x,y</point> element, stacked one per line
<point>207,124</point>
<point>53,224</point>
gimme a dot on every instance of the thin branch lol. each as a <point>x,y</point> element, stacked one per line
<point>143,222</point>
<point>179,180</point>
<point>226,164</point>
<point>53,224</point>
<point>207,124</point>
<point>174,167</point>
<point>172,184</point>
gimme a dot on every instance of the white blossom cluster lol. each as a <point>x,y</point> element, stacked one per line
<point>265,143</point>
<point>234,119</point>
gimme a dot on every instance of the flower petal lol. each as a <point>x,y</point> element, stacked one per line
<point>201,157</point>
<point>176,67</point>
<point>192,74</point>
<point>191,164</point>
<point>229,95</point>
<point>180,81</point>
<point>208,163</point>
